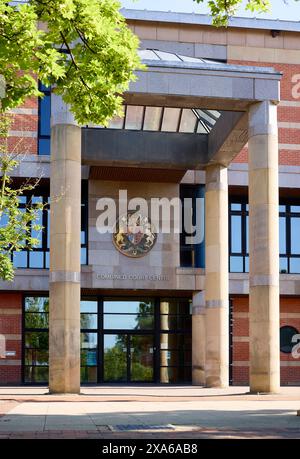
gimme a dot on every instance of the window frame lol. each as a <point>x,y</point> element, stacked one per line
<point>44,192</point>
<point>47,93</point>
<point>244,213</point>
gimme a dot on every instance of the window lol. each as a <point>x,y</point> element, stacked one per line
<point>36,339</point>
<point>289,247</point>
<point>89,340</point>
<point>128,315</point>
<point>192,254</point>
<point>289,236</point>
<point>38,257</point>
<point>44,127</point>
<point>238,237</point>
<point>175,341</point>
<point>125,339</point>
<point>286,336</point>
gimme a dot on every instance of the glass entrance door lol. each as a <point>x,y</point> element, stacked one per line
<point>128,357</point>
<point>141,358</point>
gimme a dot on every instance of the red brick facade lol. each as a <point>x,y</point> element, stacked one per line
<point>11,328</point>
<point>290,93</point>
<point>289,315</point>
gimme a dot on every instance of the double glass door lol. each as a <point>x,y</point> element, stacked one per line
<point>129,357</point>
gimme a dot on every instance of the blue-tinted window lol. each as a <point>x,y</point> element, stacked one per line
<point>44,121</point>
<point>192,252</point>
<point>39,256</point>
<point>44,146</point>
<point>289,237</point>
<point>238,237</point>
<point>295,235</point>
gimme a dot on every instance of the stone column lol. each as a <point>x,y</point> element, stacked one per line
<point>65,227</point>
<point>264,248</point>
<point>198,339</point>
<point>216,277</point>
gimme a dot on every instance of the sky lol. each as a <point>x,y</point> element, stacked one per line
<point>284,10</point>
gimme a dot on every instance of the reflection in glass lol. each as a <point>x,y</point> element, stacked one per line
<point>188,121</point>
<point>134,117</point>
<point>236,233</point>
<point>35,357</point>
<point>36,259</point>
<point>283,265</point>
<point>20,259</point>
<point>176,358</point>
<point>282,235</point>
<point>175,375</point>
<point>89,321</point>
<point>141,358</point>
<point>36,320</point>
<point>175,306</point>
<point>246,264</point>
<point>175,341</point>
<point>295,235</point>
<point>36,374</point>
<point>37,340</point>
<point>128,321</point>
<point>295,265</point>
<point>36,304</point>
<point>117,122</point>
<point>235,206</point>
<point>295,209</point>
<point>88,340</point>
<point>129,307</point>
<point>115,357</point>
<point>152,118</point>
<point>170,119</point>
<point>236,264</point>
<point>88,358</point>
<point>88,374</point>
<point>88,306</point>
<point>174,322</point>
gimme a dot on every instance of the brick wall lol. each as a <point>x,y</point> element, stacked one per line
<point>289,315</point>
<point>11,328</point>
<point>288,113</point>
<point>24,128</point>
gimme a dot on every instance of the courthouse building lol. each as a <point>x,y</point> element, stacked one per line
<point>215,116</point>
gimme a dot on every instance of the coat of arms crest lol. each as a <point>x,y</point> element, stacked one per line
<point>134,234</point>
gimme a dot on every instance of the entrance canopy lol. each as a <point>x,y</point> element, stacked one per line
<point>182,113</point>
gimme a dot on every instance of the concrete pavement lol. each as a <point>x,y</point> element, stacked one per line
<point>149,412</point>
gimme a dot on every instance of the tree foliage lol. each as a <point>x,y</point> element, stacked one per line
<point>83,48</point>
<point>222,10</point>
<point>17,224</point>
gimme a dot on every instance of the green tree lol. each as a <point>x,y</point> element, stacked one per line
<point>18,223</point>
<point>86,52</point>
<point>222,10</point>
<point>82,48</point>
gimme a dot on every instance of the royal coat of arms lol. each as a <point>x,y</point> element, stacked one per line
<point>134,235</point>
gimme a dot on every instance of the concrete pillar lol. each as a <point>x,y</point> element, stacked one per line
<point>198,339</point>
<point>65,227</point>
<point>264,249</point>
<point>216,277</point>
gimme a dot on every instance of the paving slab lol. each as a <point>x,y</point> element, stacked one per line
<point>194,412</point>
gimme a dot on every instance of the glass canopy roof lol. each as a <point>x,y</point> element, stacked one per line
<point>165,119</point>
<point>156,55</point>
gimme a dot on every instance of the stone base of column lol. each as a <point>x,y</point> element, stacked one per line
<point>198,339</point>
<point>64,338</point>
